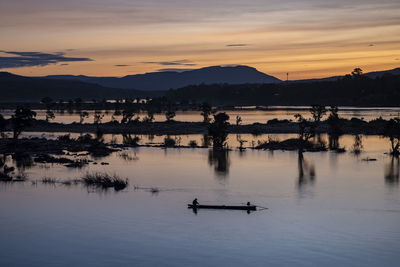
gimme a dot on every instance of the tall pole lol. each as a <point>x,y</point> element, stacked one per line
<point>287,76</point>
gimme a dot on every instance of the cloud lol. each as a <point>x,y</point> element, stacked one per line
<point>121,65</point>
<point>174,70</point>
<point>236,45</point>
<point>182,62</point>
<point>30,59</point>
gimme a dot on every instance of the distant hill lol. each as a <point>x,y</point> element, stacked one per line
<point>23,89</point>
<point>162,81</point>
<point>373,75</point>
<point>376,74</point>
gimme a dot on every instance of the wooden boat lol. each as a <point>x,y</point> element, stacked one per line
<point>223,207</point>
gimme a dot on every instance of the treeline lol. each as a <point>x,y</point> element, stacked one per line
<point>353,90</point>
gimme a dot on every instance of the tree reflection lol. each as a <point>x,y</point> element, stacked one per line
<point>319,140</point>
<point>333,141</point>
<point>23,160</point>
<point>392,172</point>
<point>358,145</point>
<point>206,141</point>
<point>219,158</point>
<point>128,140</point>
<point>306,171</point>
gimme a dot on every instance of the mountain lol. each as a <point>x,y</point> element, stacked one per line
<point>23,89</point>
<point>162,81</point>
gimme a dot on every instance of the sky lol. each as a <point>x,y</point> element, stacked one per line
<point>306,38</point>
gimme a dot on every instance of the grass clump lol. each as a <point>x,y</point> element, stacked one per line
<point>105,181</point>
<point>48,180</point>
<point>193,143</point>
<point>169,142</point>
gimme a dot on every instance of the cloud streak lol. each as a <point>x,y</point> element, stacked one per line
<point>31,59</point>
<point>236,45</point>
<point>182,62</point>
<point>174,70</point>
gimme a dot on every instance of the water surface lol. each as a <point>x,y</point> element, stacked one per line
<point>323,209</point>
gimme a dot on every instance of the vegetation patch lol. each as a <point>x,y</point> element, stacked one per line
<point>105,181</point>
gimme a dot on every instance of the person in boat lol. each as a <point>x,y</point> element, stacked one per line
<point>248,203</point>
<point>195,202</point>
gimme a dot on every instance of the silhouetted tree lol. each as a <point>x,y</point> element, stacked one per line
<point>206,112</point>
<point>48,102</point>
<point>129,112</point>
<point>21,119</point>
<point>241,142</point>
<point>150,114</point>
<point>82,116</point>
<point>218,129</point>
<point>306,130</point>
<point>98,117</point>
<point>392,130</point>
<point>50,115</point>
<point>317,112</point>
<point>170,114</point>
<point>238,120</point>
<point>334,121</point>
<point>357,72</point>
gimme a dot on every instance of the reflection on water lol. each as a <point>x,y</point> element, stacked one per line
<point>334,142</point>
<point>352,218</point>
<point>392,172</point>
<point>358,145</point>
<point>306,173</point>
<point>206,140</point>
<point>219,158</point>
<point>22,160</point>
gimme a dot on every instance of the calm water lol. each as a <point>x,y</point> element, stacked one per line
<point>248,116</point>
<point>325,209</point>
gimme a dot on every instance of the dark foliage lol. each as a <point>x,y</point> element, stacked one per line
<point>363,91</point>
<point>218,129</point>
<point>21,119</point>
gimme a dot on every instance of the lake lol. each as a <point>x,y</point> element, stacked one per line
<point>324,209</point>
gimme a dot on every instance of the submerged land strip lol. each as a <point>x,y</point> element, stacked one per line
<point>353,126</point>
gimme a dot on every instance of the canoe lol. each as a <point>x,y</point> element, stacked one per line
<point>223,207</point>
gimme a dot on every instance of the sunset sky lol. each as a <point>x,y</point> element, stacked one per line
<point>313,38</point>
